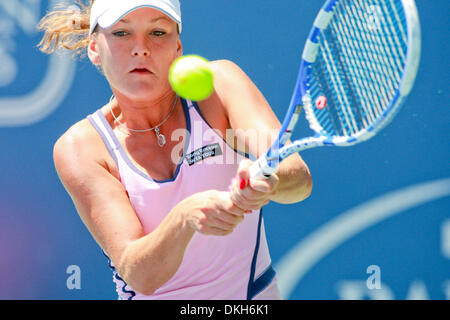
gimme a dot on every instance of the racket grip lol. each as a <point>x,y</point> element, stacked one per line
<point>261,168</point>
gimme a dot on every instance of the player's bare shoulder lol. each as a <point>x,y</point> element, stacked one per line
<point>79,148</point>
<point>232,83</point>
<point>77,140</point>
<point>213,109</point>
<point>223,64</point>
<point>228,79</point>
<point>225,71</point>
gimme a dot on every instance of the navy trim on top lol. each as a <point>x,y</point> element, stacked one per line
<point>116,275</point>
<point>258,285</point>
<point>263,281</point>
<point>255,256</point>
<point>128,160</point>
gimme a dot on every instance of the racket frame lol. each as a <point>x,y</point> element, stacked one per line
<point>267,163</point>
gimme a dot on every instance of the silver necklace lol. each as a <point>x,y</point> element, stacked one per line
<point>161,138</point>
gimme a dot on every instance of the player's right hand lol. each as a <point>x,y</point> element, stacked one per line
<point>212,213</point>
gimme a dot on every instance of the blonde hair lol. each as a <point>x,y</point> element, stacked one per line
<point>67,27</point>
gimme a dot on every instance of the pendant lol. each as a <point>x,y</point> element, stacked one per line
<point>161,138</point>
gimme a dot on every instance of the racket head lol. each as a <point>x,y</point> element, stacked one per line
<point>358,66</point>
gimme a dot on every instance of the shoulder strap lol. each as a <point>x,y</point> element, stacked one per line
<point>102,126</point>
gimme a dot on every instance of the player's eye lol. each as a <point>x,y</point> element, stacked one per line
<point>158,33</point>
<point>120,34</point>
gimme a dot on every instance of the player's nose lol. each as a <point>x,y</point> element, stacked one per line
<point>141,47</point>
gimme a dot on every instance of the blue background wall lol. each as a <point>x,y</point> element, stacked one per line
<point>328,248</point>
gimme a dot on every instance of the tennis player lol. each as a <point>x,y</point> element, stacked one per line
<point>152,188</point>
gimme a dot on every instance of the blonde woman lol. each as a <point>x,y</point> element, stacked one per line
<point>152,188</point>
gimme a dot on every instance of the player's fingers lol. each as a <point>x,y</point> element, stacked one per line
<point>267,185</point>
<point>236,210</point>
<point>217,231</point>
<point>209,220</point>
<point>241,201</point>
<point>243,173</point>
<point>250,195</point>
<point>218,222</point>
<point>207,229</point>
<point>228,205</point>
<point>229,218</point>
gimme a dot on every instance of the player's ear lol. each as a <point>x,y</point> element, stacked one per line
<point>179,48</point>
<point>92,51</point>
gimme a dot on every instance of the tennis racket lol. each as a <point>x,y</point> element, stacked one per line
<point>358,66</point>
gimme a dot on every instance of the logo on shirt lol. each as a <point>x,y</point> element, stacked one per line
<point>202,153</point>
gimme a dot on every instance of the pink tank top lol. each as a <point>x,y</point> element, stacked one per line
<point>237,266</point>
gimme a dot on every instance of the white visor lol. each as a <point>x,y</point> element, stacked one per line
<point>107,13</point>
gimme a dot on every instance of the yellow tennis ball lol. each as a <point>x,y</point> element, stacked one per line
<point>191,77</point>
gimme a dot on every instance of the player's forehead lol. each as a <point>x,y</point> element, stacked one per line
<point>145,15</point>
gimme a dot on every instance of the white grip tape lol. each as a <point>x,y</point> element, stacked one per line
<point>260,168</point>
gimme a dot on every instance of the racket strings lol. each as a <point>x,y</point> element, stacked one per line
<point>372,70</point>
<point>359,65</point>
<point>330,120</point>
<point>346,121</point>
<point>396,44</point>
<point>376,63</point>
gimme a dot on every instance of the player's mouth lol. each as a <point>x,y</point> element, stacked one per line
<point>140,71</point>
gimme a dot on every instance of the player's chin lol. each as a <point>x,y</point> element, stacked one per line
<point>143,90</point>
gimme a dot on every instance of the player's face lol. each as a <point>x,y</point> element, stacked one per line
<point>136,53</point>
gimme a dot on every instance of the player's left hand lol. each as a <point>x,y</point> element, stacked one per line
<point>251,193</point>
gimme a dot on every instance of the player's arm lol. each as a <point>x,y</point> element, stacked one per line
<point>144,261</point>
<point>248,113</point>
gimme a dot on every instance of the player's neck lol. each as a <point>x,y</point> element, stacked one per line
<point>143,114</point>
